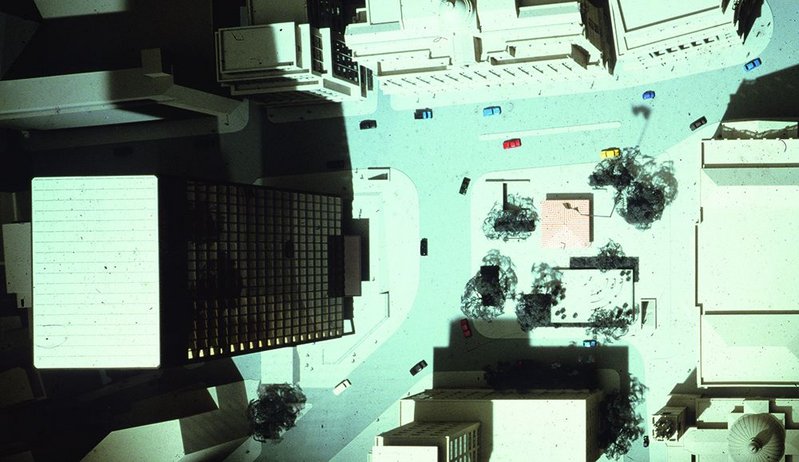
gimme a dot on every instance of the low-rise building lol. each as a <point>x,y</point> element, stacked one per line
<point>426,47</point>
<point>563,424</point>
<point>745,286</point>
<point>290,54</point>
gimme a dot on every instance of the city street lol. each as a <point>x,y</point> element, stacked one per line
<point>435,155</point>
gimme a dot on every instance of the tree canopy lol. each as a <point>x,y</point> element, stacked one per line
<point>643,187</point>
<point>484,295</point>
<point>516,221</point>
<point>533,309</point>
<point>612,324</point>
<point>665,428</point>
<point>621,423</point>
<point>610,256</point>
<point>275,411</point>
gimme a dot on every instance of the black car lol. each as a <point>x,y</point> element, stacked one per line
<point>418,367</point>
<point>367,124</point>
<point>698,123</point>
<point>423,247</point>
<point>646,441</point>
<point>420,114</point>
<point>465,185</point>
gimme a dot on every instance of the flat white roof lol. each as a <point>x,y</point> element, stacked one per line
<point>95,272</point>
<point>560,431</point>
<point>749,348</point>
<point>754,151</point>
<point>590,289</point>
<point>746,246</point>
<point>639,13</point>
<point>639,24</point>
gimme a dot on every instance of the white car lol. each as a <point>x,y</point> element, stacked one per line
<point>343,385</point>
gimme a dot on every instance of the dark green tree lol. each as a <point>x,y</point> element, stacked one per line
<point>643,187</point>
<point>611,324</point>
<point>533,309</point>
<point>621,423</point>
<point>642,204</point>
<point>617,172</point>
<point>275,411</point>
<point>665,428</point>
<point>610,256</point>
<point>484,295</point>
<point>514,218</point>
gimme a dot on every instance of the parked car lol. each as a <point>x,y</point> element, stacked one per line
<point>609,152</point>
<point>467,330</point>
<point>752,64</point>
<point>343,385</point>
<point>646,441</point>
<point>649,94</point>
<point>698,123</point>
<point>465,185</point>
<point>512,143</point>
<point>423,114</point>
<point>368,123</point>
<point>491,110</point>
<point>590,343</point>
<point>423,247</point>
<point>418,367</point>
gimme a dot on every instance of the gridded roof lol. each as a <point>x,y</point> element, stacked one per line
<point>566,224</point>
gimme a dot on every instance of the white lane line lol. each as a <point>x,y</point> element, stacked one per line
<point>550,131</point>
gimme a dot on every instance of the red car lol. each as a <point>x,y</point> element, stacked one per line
<point>512,143</point>
<point>467,331</point>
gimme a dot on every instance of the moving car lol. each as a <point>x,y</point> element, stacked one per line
<point>609,152</point>
<point>752,64</point>
<point>423,247</point>
<point>418,367</point>
<point>698,123</point>
<point>649,94</point>
<point>646,441</point>
<point>426,113</point>
<point>368,123</point>
<point>590,343</point>
<point>465,185</point>
<point>512,143</point>
<point>467,330</point>
<point>343,385</point>
<point>491,110</point>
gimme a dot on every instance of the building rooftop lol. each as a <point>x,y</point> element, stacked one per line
<point>566,224</point>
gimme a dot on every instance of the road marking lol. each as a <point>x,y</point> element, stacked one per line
<point>550,131</point>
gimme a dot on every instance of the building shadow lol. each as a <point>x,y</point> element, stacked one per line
<point>773,96</point>
<point>513,365</point>
<point>746,13</point>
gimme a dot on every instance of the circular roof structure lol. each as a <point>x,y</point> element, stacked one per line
<point>455,14</point>
<point>756,438</point>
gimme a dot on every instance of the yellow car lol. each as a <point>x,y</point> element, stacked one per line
<point>610,152</point>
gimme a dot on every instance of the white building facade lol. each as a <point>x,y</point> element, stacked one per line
<point>283,59</point>
<point>427,46</point>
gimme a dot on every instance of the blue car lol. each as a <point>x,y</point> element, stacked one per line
<point>590,343</point>
<point>423,114</point>
<point>649,94</point>
<point>752,64</point>
<point>491,110</point>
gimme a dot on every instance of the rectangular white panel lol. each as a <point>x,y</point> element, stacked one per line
<point>95,272</point>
